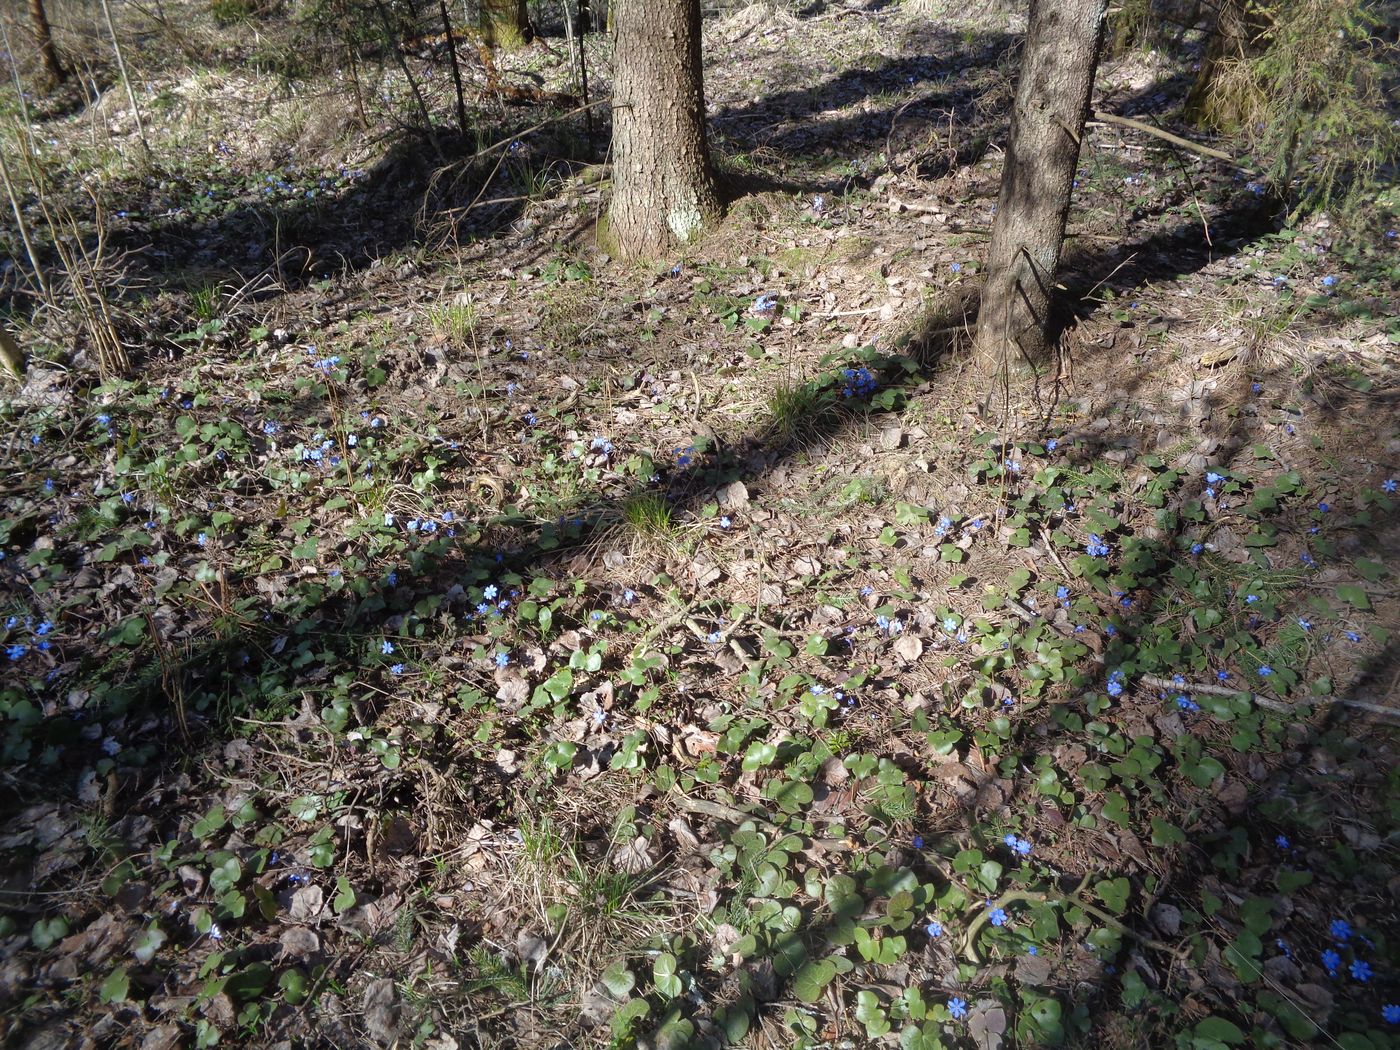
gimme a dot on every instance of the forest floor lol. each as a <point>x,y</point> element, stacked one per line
<point>444,635</point>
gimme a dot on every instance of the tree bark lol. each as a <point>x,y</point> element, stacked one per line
<point>505,23</point>
<point>664,189</point>
<point>1056,80</point>
<point>43,37</point>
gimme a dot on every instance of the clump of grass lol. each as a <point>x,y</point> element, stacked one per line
<point>455,322</point>
<point>542,841</point>
<point>794,407</point>
<point>650,517</point>
<point>205,302</point>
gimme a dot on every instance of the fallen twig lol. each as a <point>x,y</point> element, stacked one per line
<point>1166,136</point>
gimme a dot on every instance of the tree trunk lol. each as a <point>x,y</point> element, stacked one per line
<point>663,186</point>
<point>43,36</point>
<point>1052,101</point>
<point>505,23</point>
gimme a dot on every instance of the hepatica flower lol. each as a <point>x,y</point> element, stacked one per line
<point>857,382</point>
<point>1361,970</point>
<point>1340,930</point>
<point>1390,1012</point>
<point>502,659</point>
<point>957,1009</point>
<point>1116,681</point>
<point>934,929</point>
<point>998,916</point>
<point>1096,548</point>
<point>1330,961</point>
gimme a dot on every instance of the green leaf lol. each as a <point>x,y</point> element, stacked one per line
<point>294,986</point>
<point>1257,914</point>
<point>1220,1030</point>
<point>619,980</point>
<point>1114,893</point>
<point>1165,834</point>
<point>147,943</point>
<point>759,755</point>
<point>1115,808</point>
<point>344,898</point>
<point>663,972</point>
<point>1356,596</point>
<point>871,1014</point>
<point>811,980</point>
<point>45,933</point>
<point>116,987</point>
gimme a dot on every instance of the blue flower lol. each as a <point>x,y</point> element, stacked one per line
<point>1265,670</point>
<point>1196,548</point>
<point>1281,841</point>
<point>934,928</point>
<point>1258,388</point>
<point>955,267</point>
<point>490,592</point>
<point>1052,444</point>
<point>1222,676</point>
<point>1096,547</point>
<point>629,597</point>
<point>1353,636</point>
<point>1115,683</point>
<point>957,1009</point>
<point>502,658</point>
<point>1331,960</point>
<point>1329,281</point>
<point>998,916</point>
<point>386,647</point>
<point>16,651</point>
<point>1361,970</point>
<point>1213,478</point>
<point>1340,929</point>
<point>1010,840</point>
<point>1391,1013</point>
<point>1023,847</point>
<point>1187,704</point>
<point>918,842</point>
<point>725,522</point>
<point>1305,624</point>
<point>1032,950</point>
<point>396,669</point>
<point>715,638</point>
<point>1250,599</point>
<point>43,629</point>
<point>1388,485</point>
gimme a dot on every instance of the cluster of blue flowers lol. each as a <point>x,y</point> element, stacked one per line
<point>39,640</point>
<point>1021,847</point>
<point>858,382</point>
<point>1345,939</point>
<point>1096,547</point>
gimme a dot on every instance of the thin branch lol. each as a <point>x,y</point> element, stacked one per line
<point>1166,136</point>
